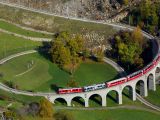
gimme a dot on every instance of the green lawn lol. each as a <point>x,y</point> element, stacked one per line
<point>13,28</point>
<point>10,44</point>
<point>93,73</point>
<point>119,114</point>
<point>43,73</point>
<point>154,96</point>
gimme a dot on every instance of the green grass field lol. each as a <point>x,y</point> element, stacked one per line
<point>10,44</point>
<point>13,28</point>
<point>154,96</point>
<point>43,73</point>
<point>118,114</point>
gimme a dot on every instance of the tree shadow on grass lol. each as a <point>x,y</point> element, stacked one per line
<point>79,100</point>
<point>95,99</point>
<point>112,98</point>
<point>44,50</point>
<point>55,87</point>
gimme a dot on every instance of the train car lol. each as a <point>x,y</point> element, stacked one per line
<point>148,67</point>
<point>116,82</point>
<point>135,75</point>
<point>100,86</point>
<point>94,87</point>
<point>89,88</point>
<point>70,90</point>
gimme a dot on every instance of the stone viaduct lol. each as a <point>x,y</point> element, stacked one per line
<point>146,82</point>
<point>143,83</point>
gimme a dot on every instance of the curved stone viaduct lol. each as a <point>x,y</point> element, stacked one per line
<point>146,82</point>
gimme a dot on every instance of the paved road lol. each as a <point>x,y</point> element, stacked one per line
<point>25,37</point>
<point>116,66</point>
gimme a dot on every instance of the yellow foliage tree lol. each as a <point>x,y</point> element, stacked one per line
<point>46,109</point>
<point>137,36</point>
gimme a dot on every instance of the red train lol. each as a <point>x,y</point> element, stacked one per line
<point>116,82</point>
<point>70,90</point>
<point>128,78</point>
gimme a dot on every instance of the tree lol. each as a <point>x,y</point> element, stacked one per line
<point>10,115</point>
<point>65,49</point>
<point>99,54</point>
<point>80,41</point>
<point>60,54</point>
<point>137,36</point>
<point>46,109</point>
<point>127,48</point>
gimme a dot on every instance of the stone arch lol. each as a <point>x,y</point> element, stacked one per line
<point>151,81</point>
<point>141,87</point>
<point>60,101</point>
<point>78,101</point>
<point>113,97</point>
<point>95,100</point>
<point>157,70</point>
<point>129,92</point>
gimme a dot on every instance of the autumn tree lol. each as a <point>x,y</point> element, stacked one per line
<point>137,36</point>
<point>65,49</point>
<point>127,48</point>
<point>99,53</point>
<point>60,54</point>
<point>46,109</point>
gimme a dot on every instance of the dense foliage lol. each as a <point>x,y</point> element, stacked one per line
<point>67,50</point>
<point>147,16</point>
<point>127,48</point>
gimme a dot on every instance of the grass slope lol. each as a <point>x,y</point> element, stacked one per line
<point>118,114</point>
<point>154,96</point>
<point>13,28</point>
<point>10,44</point>
<point>51,23</point>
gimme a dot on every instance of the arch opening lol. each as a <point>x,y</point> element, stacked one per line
<point>112,98</point>
<point>60,101</point>
<point>95,100</point>
<point>128,92</point>
<point>150,82</point>
<point>140,88</point>
<point>157,72</point>
<point>78,101</point>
